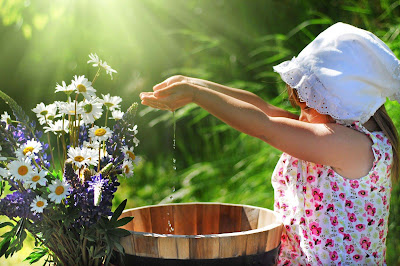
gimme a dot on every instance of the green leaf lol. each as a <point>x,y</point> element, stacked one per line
<point>4,246</point>
<point>118,211</point>
<point>17,110</point>
<point>6,224</point>
<point>123,221</point>
<point>119,247</point>
<point>119,232</point>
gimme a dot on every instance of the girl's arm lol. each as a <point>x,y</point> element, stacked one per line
<point>239,94</point>
<point>347,150</point>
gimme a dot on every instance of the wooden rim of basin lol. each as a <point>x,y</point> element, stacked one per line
<point>201,230</point>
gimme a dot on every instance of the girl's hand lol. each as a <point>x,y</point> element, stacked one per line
<point>171,94</point>
<point>171,80</point>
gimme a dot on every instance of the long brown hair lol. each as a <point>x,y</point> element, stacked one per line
<point>385,124</point>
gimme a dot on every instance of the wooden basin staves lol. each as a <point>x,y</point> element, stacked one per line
<point>201,231</point>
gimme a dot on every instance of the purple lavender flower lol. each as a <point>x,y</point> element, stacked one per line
<point>18,204</point>
<point>83,197</point>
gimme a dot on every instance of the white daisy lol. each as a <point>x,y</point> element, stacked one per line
<point>6,118</point>
<point>134,130</point>
<point>41,112</point>
<point>108,69</point>
<point>37,178</point>
<point>57,127</point>
<point>1,157</point>
<point>93,150</point>
<point>94,155</point>
<point>4,173</point>
<point>84,86</point>
<point>79,156</point>
<point>94,59</point>
<point>130,155</point>
<point>92,110</point>
<point>127,168</point>
<point>68,108</point>
<point>20,169</point>
<point>112,102</point>
<point>136,141</point>
<point>64,88</point>
<point>99,133</point>
<point>29,149</point>
<point>58,190</point>
<point>117,114</point>
<point>91,145</point>
<point>38,204</point>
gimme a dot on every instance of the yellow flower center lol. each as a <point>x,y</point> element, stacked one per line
<point>100,132</point>
<point>131,155</point>
<point>44,112</point>
<point>81,88</point>
<point>40,203</point>
<point>126,169</point>
<point>79,158</point>
<point>22,170</point>
<point>59,190</point>
<point>27,149</point>
<point>35,178</point>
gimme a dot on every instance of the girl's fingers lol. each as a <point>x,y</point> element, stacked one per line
<point>169,90</point>
<point>155,104</point>
<point>159,86</point>
<point>169,81</point>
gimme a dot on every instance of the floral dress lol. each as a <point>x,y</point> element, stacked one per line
<point>330,219</point>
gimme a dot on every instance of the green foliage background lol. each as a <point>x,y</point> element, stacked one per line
<point>232,42</point>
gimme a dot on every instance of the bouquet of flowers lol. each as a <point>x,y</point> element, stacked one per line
<point>62,192</point>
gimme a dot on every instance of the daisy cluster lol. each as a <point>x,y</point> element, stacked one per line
<point>91,156</point>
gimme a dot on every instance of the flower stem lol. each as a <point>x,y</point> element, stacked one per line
<point>83,249</point>
<point>97,75</point>
<point>51,150</point>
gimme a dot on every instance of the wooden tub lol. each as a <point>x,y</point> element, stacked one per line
<point>201,233</point>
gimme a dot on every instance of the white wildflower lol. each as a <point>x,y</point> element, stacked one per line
<point>99,133</point>
<point>111,102</point>
<point>64,88</point>
<point>70,108</point>
<point>127,168</point>
<point>79,156</point>
<point>84,86</point>
<point>94,59</point>
<point>28,149</point>
<point>57,127</point>
<point>92,110</point>
<point>108,69</point>
<point>117,114</point>
<point>58,190</point>
<point>38,204</point>
<point>20,169</point>
<point>6,118</point>
<point>37,178</point>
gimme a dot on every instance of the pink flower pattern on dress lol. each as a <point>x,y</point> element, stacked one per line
<point>329,219</point>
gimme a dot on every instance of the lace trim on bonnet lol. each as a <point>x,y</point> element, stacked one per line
<point>309,89</point>
<point>312,91</point>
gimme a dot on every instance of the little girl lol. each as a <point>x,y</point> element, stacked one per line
<point>332,183</point>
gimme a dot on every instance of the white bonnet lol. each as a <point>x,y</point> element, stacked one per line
<point>345,72</point>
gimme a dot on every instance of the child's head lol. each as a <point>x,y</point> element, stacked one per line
<point>346,73</point>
